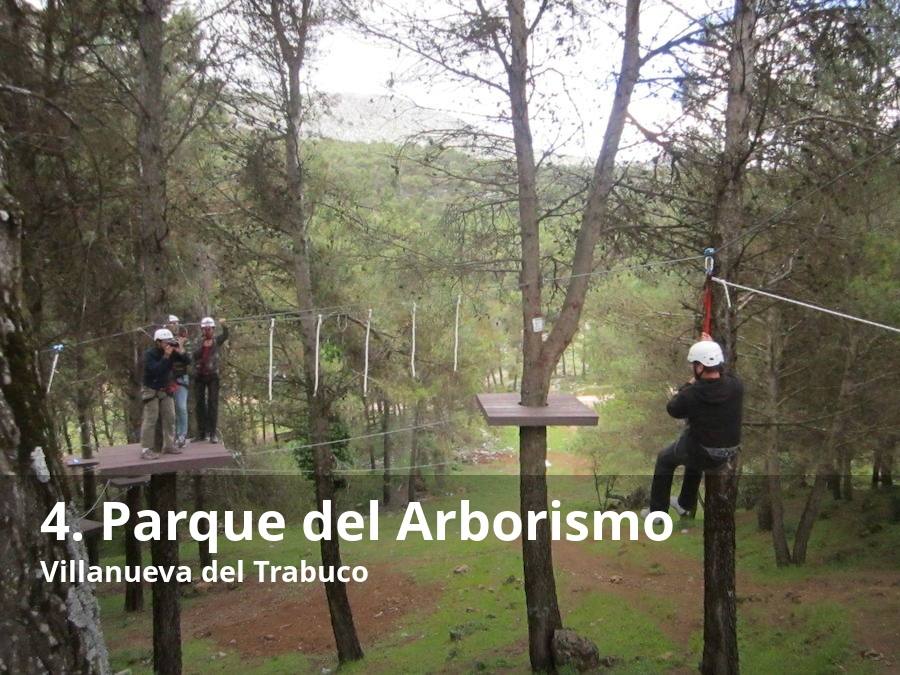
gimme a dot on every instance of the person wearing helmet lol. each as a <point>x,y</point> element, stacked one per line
<point>157,392</point>
<point>711,403</point>
<point>206,378</point>
<point>181,378</point>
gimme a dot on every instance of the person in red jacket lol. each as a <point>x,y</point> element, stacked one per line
<point>711,403</point>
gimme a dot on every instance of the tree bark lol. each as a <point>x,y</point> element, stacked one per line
<point>318,403</point>
<point>166,594</point>
<point>539,359</point>
<point>203,546</point>
<point>720,652</point>
<point>387,449</point>
<point>65,636</point>
<point>415,473</point>
<point>151,152</point>
<point>134,591</point>
<point>89,478</point>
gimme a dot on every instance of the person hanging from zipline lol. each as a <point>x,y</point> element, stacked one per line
<point>158,393</point>
<point>206,379</point>
<point>180,376</point>
<point>711,403</point>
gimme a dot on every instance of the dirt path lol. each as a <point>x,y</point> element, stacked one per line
<point>264,619</point>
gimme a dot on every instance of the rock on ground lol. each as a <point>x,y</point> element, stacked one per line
<point>570,649</point>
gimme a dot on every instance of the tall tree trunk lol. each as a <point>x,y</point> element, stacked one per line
<point>318,403</point>
<point>774,353</point>
<point>539,358</point>
<point>415,474</point>
<point>66,637</point>
<point>387,450</point>
<point>151,152</point>
<point>720,652</point>
<point>166,595</point>
<point>89,478</point>
<point>134,590</point>
<point>203,546</point>
<point>154,270</point>
<point>814,500</point>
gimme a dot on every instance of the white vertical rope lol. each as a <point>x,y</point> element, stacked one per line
<point>57,350</point>
<point>366,363</point>
<point>456,336</point>
<point>412,351</point>
<point>271,354</point>
<point>318,332</point>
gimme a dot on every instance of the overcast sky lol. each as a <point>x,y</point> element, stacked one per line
<point>345,62</point>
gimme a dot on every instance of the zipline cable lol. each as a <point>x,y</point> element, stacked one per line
<point>807,305</point>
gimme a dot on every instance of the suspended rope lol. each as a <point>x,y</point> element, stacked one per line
<point>376,434</point>
<point>366,361</point>
<point>271,354</point>
<point>807,305</point>
<point>412,351</point>
<point>318,332</point>
<point>456,336</point>
<point>57,350</point>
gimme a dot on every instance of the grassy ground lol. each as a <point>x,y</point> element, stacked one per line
<point>458,606</point>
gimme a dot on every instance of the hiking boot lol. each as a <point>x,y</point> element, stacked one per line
<point>181,440</point>
<point>147,453</point>
<point>673,502</point>
<point>214,437</point>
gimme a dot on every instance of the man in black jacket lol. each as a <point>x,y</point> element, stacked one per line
<point>206,378</point>
<point>157,392</point>
<point>711,403</point>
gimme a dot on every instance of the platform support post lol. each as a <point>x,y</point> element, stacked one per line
<point>134,590</point>
<point>166,595</point>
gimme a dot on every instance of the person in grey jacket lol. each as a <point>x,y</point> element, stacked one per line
<point>206,378</point>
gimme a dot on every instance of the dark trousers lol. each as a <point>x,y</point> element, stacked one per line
<point>695,461</point>
<point>206,391</point>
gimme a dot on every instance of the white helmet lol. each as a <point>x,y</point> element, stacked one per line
<point>707,353</point>
<point>173,318</point>
<point>207,322</point>
<point>163,334</point>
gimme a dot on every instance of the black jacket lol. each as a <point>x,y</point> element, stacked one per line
<point>158,368</point>
<point>713,409</point>
<point>212,364</point>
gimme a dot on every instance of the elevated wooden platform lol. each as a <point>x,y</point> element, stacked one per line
<point>88,528</point>
<point>124,461</point>
<point>561,410</point>
<point>125,483</point>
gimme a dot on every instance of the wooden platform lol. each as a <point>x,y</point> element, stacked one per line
<point>561,410</point>
<point>121,461</point>
<point>125,483</point>
<point>88,527</point>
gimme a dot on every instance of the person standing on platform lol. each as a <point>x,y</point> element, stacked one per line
<point>158,392</point>
<point>206,379</point>
<point>181,378</point>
